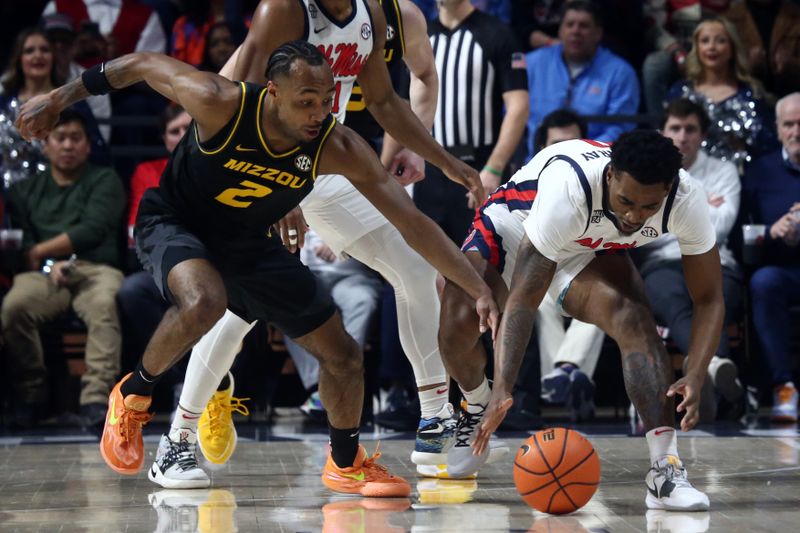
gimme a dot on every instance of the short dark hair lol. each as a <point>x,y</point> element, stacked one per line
<point>560,118</point>
<point>586,6</point>
<point>170,113</point>
<point>69,116</point>
<point>646,155</point>
<point>282,59</point>
<point>682,108</point>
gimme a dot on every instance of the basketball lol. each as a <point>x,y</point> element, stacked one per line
<point>556,471</point>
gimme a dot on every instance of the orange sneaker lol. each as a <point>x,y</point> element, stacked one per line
<point>121,445</point>
<point>366,477</point>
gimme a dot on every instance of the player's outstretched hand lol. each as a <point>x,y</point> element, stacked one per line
<point>37,117</point>
<point>689,388</point>
<point>488,313</point>
<point>468,177</point>
<point>407,167</point>
<point>292,228</point>
<point>492,418</point>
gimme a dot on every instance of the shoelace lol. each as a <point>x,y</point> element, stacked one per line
<point>466,425</point>
<point>217,410</point>
<point>675,474</point>
<point>372,470</point>
<point>181,453</point>
<point>131,421</point>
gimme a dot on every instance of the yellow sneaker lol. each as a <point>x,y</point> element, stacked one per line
<point>216,432</point>
<point>216,515</point>
<point>441,491</point>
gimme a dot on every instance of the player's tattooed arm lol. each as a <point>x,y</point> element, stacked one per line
<point>532,276</point>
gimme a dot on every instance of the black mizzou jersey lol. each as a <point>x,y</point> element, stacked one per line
<point>234,181</point>
<point>358,117</point>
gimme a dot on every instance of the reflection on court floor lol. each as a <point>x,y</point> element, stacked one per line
<point>753,480</point>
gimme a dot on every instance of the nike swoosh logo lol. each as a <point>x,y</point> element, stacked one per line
<point>659,432</point>
<point>112,420</point>
<point>357,477</point>
<point>240,148</point>
<point>441,391</point>
<point>354,435</point>
<point>321,29</point>
<point>187,417</point>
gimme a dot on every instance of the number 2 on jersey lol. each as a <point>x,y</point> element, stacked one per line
<point>250,189</point>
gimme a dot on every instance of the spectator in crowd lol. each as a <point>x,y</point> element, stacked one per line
<point>73,207</point>
<point>109,29</point>
<point>718,78</point>
<point>536,24</point>
<point>125,25</point>
<point>61,34</point>
<point>772,193</point>
<point>568,356</point>
<point>669,26</point>
<point>469,120</point>
<point>32,72</point>
<point>497,8</point>
<point>218,47</point>
<point>141,305</point>
<point>355,290</point>
<point>770,31</point>
<point>581,75</point>
<point>686,123</point>
<point>190,34</point>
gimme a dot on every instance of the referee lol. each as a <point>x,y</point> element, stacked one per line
<point>481,71</point>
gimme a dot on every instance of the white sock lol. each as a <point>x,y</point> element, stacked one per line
<point>481,395</point>
<point>211,359</point>
<point>432,400</point>
<point>184,426</point>
<point>662,441</point>
<point>184,419</point>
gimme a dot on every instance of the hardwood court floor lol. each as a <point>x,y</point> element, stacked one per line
<point>273,484</point>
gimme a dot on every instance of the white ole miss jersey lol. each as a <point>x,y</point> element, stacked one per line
<point>569,215</point>
<point>346,44</point>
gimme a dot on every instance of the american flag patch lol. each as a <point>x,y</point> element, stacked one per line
<point>518,60</point>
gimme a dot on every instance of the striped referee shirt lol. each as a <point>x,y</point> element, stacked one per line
<point>477,62</point>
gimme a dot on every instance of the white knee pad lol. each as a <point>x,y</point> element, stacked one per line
<point>414,282</point>
<point>211,359</point>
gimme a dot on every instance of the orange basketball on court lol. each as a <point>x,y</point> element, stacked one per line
<point>556,471</point>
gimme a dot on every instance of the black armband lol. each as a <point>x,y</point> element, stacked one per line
<point>94,79</point>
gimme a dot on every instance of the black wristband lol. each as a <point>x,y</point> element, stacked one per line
<point>94,79</point>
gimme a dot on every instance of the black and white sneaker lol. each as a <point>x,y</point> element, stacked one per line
<point>668,487</point>
<point>461,462</point>
<point>176,465</point>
